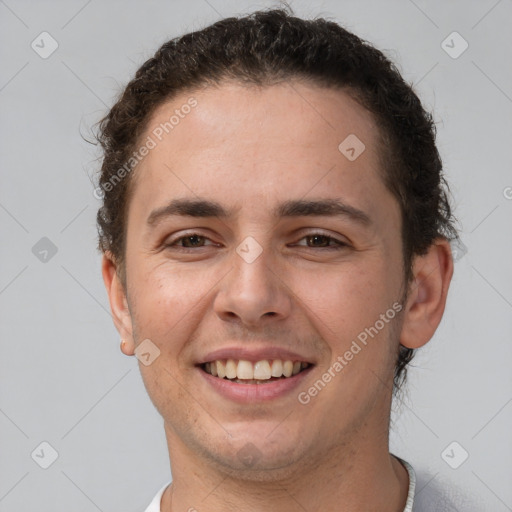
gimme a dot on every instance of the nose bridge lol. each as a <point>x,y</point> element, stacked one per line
<point>253,267</point>
<point>253,288</point>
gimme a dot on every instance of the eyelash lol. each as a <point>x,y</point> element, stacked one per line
<point>339,244</point>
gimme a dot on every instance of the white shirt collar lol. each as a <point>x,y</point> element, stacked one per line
<point>412,485</point>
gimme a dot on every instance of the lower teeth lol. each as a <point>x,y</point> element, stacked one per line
<point>253,381</point>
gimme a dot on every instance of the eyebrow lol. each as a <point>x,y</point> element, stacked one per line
<point>293,208</point>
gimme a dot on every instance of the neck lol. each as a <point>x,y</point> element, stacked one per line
<point>352,478</point>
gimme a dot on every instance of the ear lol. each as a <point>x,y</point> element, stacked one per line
<point>428,290</point>
<point>118,303</point>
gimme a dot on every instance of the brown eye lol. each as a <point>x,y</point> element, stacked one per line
<point>192,240</point>
<point>322,241</point>
<point>189,241</point>
<point>319,240</point>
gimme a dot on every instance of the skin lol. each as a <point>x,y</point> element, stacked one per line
<point>250,149</point>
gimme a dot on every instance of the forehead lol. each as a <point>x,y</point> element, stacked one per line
<point>253,145</point>
<point>313,116</point>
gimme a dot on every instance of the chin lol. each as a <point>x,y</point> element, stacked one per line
<point>258,457</point>
<point>266,468</point>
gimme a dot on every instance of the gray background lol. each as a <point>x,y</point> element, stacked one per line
<point>63,379</point>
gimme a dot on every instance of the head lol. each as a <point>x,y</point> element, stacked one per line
<point>270,120</point>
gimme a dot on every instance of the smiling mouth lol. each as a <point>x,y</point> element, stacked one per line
<point>260,372</point>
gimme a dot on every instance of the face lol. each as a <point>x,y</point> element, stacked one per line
<point>252,238</point>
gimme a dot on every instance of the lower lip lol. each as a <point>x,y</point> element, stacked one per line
<point>248,393</point>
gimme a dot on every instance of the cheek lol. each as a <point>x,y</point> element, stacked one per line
<point>345,306</point>
<point>166,302</point>
<point>164,308</point>
<point>343,300</point>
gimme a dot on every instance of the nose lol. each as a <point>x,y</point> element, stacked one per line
<point>253,292</point>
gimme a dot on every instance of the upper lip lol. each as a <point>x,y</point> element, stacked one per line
<point>254,354</point>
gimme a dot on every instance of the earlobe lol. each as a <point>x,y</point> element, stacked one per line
<point>126,349</point>
<point>118,303</point>
<point>428,290</point>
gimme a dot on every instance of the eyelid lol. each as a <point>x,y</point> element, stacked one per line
<point>171,242</point>
<point>337,242</point>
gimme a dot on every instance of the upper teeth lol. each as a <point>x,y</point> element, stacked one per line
<point>261,370</point>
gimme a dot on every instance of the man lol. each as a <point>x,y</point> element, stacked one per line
<point>276,240</point>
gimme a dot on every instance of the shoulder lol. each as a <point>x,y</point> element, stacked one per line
<point>154,506</point>
<point>436,494</point>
